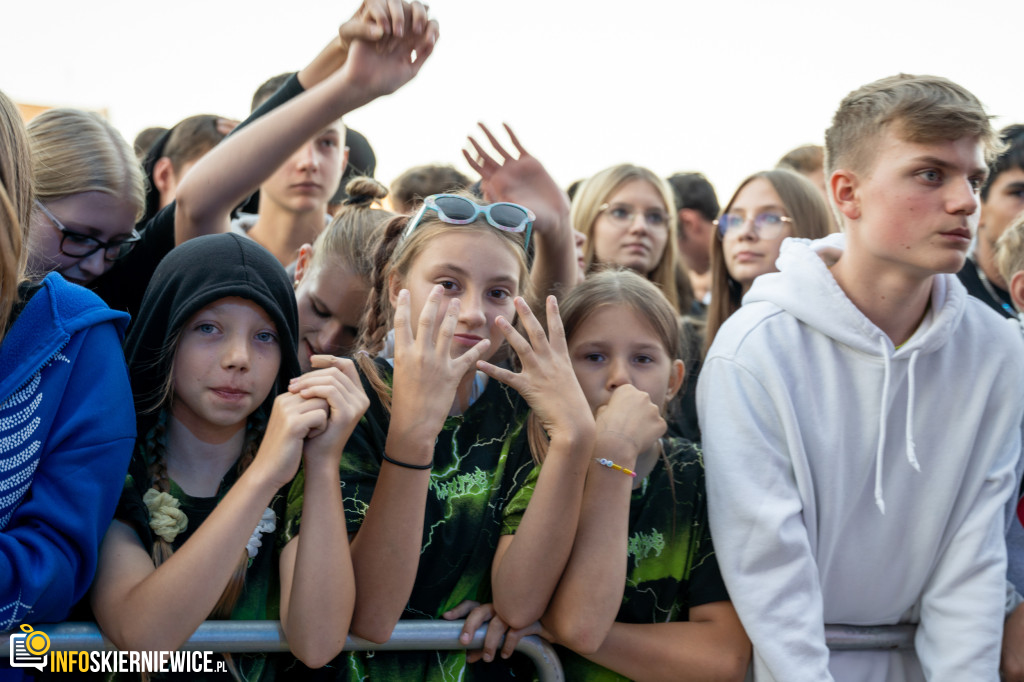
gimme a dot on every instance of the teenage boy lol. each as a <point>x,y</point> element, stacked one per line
<point>1002,199</point>
<point>862,414</point>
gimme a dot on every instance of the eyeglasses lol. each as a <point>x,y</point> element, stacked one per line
<point>766,225</point>
<point>623,215</point>
<point>77,245</point>
<point>456,210</point>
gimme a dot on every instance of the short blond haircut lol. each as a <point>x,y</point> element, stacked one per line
<point>920,109</point>
<point>1010,249</point>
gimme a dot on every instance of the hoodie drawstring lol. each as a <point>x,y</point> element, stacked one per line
<point>911,448</point>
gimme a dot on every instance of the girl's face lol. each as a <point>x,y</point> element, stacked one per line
<point>633,230</point>
<point>102,216</point>
<point>225,365</point>
<point>749,250</point>
<point>477,267</point>
<point>615,345</point>
<point>331,301</point>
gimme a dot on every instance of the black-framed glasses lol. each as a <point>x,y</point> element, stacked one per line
<point>767,225</point>
<point>77,245</point>
<point>623,215</point>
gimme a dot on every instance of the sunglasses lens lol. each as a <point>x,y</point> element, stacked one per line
<point>456,208</point>
<point>507,215</point>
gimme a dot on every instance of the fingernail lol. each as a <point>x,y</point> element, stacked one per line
<point>464,638</point>
<point>488,657</point>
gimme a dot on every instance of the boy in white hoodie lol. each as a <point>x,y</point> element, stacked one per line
<point>862,414</point>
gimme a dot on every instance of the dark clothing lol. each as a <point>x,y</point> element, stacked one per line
<point>971,278</point>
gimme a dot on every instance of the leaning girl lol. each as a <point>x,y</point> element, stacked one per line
<point>432,474</point>
<point>642,597</point>
<point>223,423</point>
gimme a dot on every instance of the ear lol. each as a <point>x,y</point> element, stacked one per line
<point>344,160</point>
<point>675,381</point>
<point>842,188</point>
<point>1017,289</point>
<point>163,175</point>
<point>303,262</point>
<point>394,286</point>
<point>687,223</point>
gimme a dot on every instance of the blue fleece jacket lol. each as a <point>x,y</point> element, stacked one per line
<point>67,428</point>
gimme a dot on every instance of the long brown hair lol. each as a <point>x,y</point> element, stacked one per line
<point>15,206</point>
<point>811,219</point>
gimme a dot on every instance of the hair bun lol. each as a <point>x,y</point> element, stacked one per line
<point>363,191</point>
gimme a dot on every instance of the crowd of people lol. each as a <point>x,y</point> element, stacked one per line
<point>672,437</point>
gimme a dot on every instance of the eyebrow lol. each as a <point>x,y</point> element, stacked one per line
<point>465,273</point>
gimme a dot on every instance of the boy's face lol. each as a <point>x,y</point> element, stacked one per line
<point>916,208</point>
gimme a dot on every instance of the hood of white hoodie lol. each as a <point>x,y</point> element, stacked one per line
<point>805,288</point>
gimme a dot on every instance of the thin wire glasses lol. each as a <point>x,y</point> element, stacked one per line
<point>766,225</point>
<point>623,215</point>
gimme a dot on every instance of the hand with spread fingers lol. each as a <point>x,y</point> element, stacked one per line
<point>547,380</point>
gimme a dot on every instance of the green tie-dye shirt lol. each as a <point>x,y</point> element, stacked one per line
<point>480,462</point>
<point>671,563</point>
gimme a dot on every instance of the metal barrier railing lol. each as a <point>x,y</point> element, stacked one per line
<point>244,636</point>
<point>252,636</point>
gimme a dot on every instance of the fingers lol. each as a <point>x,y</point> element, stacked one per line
<point>513,637</point>
<point>494,143</point>
<point>514,139</point>
<point>485,160</point>
<point>427,327</point>
<point>461,610</point>
<point>496,630</point>
<point>507,377</point>
<point>472,161</point>
<point>520,345</point>
<point>419,17</point>
<point>397,16</point>
<point>556,331</point>
<point>403,325</point>
<point>531,324</point>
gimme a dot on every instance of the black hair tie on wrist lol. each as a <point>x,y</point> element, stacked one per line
<point>406,465</point>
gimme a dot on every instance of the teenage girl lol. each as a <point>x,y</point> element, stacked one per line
<point>766,208</point>
<point>66,419</point>
<point>641,597</point>
<point>223,423</point>
<point>627,214</point>
<point>332,276</point>
<point>434,475</point>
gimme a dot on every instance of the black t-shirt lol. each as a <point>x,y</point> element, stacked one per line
<point>971,279</point>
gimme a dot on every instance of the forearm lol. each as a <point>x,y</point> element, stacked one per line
<point>386,550</point>
<point>589,594</point>
<point>675,651</point>
<point>554,264</point>
<point>526,575</point>
<point>317,581</point>
<point>162,610</point>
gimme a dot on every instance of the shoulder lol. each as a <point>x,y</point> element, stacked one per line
<point>75,308</point>
<point>752,325</point>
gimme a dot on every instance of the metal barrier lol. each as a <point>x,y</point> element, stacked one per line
<point>242,636</point>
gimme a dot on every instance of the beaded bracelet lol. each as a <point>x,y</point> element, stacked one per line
<point>406,465</point>
<point>612,465</point>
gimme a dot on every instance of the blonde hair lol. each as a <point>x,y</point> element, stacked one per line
<point>919,109</point>
<point>595,192</point>
<point>76,151</point>
<point>1010,249</point>
<point>811,219</point>
<point>15,206</point>
<point>350,239</point>
<point>395,256</point>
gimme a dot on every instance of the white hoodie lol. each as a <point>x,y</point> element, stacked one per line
<point>853,483</point>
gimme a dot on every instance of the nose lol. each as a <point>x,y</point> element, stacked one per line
<point>747,230</point>
<point>331,338</point>
<point>306,157</point>
<point>236,353</point>
<point>639,223</point>
<point>963,199</point>
<point>618,374</point>
<point>471,312</point>
<point>94,264</point>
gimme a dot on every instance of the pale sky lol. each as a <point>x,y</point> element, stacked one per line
<point>723,87</point>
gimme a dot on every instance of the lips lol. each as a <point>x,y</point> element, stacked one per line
<point>229,392</point>
<point>468,339</point>
<point>961,232</point>
<point>746,256</point>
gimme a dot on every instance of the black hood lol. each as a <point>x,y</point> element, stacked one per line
<point>190,277</point>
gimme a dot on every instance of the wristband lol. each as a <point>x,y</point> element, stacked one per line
<point>406,465</point>
<point>612,465</point>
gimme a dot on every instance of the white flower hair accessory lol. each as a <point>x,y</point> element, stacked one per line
<point>165,517</point>
<point>267,524</point>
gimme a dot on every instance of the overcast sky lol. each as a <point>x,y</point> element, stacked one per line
<point>724,87</point>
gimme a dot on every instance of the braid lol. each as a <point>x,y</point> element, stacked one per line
<point>156,443</point>
<point>378,309</point>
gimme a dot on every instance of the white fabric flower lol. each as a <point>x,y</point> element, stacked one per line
<point>267,524</point>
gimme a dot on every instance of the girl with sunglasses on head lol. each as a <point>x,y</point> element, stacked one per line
<point>766,208</point>
<point>66,421</point>
<point>627,214</point>
<point>224,421</point>
<point>435,475</point>
<point>641,596</point>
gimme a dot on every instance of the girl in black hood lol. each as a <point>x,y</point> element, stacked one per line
<point>223,419</point>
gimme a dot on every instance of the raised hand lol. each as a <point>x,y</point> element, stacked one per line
<point>547,381</point>
<point>335,381</point>
<point>631,418</point>
<point>427,377</point>
<point>521,180</point>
